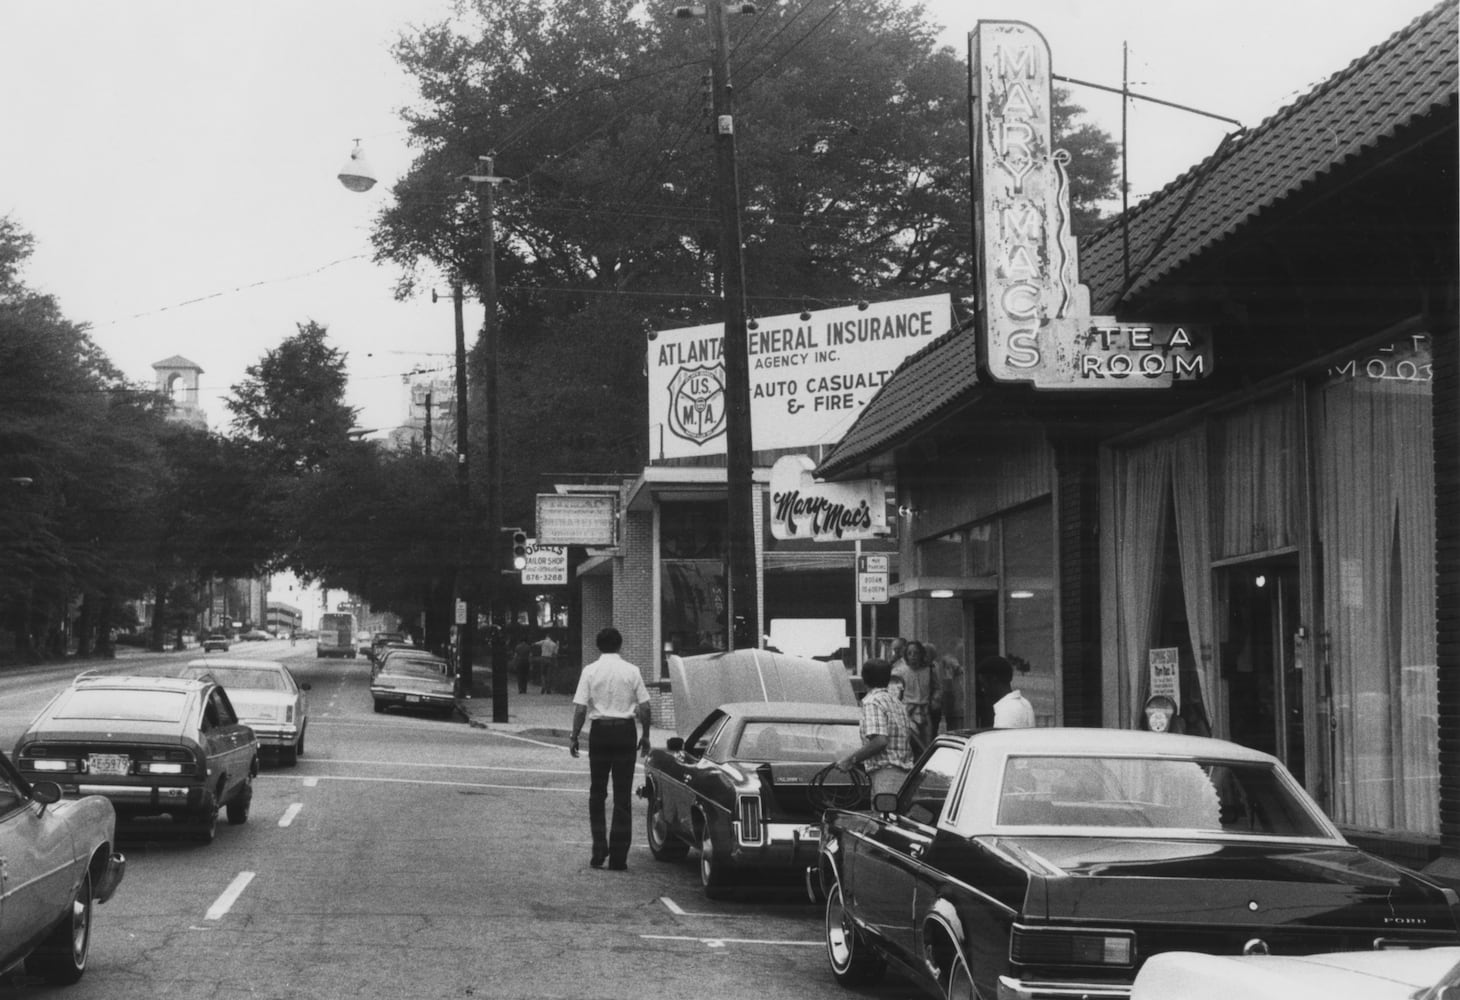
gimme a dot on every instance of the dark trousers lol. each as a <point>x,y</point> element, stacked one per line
<point>611,746</point>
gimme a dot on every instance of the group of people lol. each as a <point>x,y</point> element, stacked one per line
<point>909,698</point>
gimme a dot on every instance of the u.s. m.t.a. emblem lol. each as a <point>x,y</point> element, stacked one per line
<point>697,403</point>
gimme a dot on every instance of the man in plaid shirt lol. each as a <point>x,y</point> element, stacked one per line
<point>886,750</point>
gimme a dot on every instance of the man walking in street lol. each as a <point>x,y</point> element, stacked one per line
<point>611,693</point>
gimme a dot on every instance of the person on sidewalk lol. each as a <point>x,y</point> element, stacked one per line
<point>521,662</point>
<point>886,750</point>
<point>1006,706</point>
<point>610,694</point>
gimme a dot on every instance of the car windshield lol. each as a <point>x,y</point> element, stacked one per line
<point>122,704</point>
<point>235,678</point>
<point>811,742</point>
<point>1151,794</point>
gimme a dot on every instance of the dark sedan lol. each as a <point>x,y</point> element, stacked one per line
<point>746,786</point>
<point>1044,863</point>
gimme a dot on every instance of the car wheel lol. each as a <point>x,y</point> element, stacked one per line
<point>379,706</point>
<point>289,756</point>
<point>663,844</point>
<point>205,829</point>
<point>299,750</point>
<point>715,874</point>
<point>238,805</point>
<point>61,958</point>
<point>853,962</point>
<point>960,982</point>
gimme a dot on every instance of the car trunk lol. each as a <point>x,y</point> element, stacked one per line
<point>1215,897</point>
<point>792,795</point>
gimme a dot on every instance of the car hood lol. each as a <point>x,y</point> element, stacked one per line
<point>1238,884</point>
<point>701,684</point>
<point>1356,975</point>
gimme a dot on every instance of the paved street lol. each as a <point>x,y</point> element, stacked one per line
<point>413,857</point>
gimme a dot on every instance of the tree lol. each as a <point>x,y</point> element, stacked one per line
<point>852,136</point>
<point>291,406</point>
<point>77,469</point>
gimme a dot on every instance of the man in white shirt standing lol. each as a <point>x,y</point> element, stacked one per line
<point>611,693</point>
<point>1011,710</point>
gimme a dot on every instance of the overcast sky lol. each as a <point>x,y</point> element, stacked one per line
<point>175,161</point>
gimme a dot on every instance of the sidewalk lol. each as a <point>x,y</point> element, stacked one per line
<point>541,714</point>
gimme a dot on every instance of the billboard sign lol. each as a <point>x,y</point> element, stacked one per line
<point>809,378</point>
<point>577,519</point>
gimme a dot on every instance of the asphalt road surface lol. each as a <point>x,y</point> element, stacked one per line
<point>411,857</point>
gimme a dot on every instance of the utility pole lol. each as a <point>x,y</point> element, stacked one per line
<point>464,619</point>
<point>740,577</point>
<point>487,183</point>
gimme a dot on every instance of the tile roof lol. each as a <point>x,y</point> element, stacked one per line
<point>176,361</point>
<point>1409,76</point>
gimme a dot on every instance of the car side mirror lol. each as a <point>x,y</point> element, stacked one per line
<point>46,792</point>
<point>884,802</point>
<point>675,744</point>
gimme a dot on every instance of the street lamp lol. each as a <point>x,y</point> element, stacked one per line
<point>357,174</point>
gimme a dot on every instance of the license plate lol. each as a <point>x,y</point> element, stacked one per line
<point>109,763</point>
<point>413,697</point>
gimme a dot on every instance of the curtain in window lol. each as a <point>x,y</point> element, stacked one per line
<point>1142,485</point>
<point>1258,458</point>
<point>1374,448</point>
<point>1193,542</point>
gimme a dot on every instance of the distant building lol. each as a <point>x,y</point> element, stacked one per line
<point>177,379</point>
<point>430,414</point>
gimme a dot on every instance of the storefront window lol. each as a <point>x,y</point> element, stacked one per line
<point>942,556</point>
<point>692,591</point>
<point>1375,478</point>
<point>1028,593</point>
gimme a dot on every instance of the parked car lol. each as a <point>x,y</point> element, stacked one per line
<point>417,681</point>
<point>1393,974</point>
<point>56,862</point>
<point>381,639</point>
<point>267,698</point>
<point>214,642</point>
<point>254,635</point>
<point>1053,862</point>
<point>152,745</point>
<point>740,785</point>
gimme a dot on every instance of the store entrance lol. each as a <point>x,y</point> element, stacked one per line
<point>1263,678</point>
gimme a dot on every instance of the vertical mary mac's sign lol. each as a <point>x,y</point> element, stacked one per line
<point>1037,322</point>
<point>809,377</point>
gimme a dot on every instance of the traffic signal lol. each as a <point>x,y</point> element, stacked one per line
<point>519,549</point>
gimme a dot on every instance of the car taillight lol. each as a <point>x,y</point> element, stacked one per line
<point>48,760</point>
<point>289,713</point>
<point>172,761</point>
<point>750,827</point>
<point>1069,946</point>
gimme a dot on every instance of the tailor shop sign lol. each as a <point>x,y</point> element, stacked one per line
<point>809,378</point>
<point>806,509</point>
<point>1037,326</point>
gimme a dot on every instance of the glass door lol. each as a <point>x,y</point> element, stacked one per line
<point>1261,674</point>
